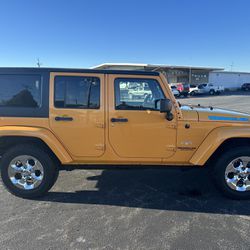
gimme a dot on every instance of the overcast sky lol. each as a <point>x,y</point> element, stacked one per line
<point>84,33</point>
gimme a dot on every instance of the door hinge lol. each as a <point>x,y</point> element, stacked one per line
<point>171,126</point>
<point>171,148</point>
<point>100,147</point>
<point>100,125</point>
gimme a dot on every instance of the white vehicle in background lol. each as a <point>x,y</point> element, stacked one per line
<point>193,90</point>
<point>175,91</point>
<point>209,88</point>
<point>139,92</point>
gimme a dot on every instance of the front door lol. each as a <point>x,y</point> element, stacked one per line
<point>136,127</point>
<point>77,112</point>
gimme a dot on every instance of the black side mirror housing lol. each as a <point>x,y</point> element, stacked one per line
<point>166,107</point>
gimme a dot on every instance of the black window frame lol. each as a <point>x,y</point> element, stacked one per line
<point>134,108</point>
<point>78,108</point>
<point>42,111</point>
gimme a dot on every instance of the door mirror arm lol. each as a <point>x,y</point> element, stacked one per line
<point>169,116</point>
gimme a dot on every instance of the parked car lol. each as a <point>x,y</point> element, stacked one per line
<point>175,91</point>
<point>183,88</point>
<point>209,88</point>
<point>139,92</point>
<point>65,119</point>
<point>193,90</point>
<point>245,86</point>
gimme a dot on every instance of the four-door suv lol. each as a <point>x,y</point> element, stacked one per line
<point>54,118</point>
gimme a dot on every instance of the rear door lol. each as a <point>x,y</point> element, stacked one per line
<point>137,129</point>
<point>77,112</point>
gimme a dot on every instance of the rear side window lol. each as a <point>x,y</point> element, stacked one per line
<point>77,92</point>
<point>22,91</point>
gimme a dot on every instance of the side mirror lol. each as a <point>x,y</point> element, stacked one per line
<point>166,107</point>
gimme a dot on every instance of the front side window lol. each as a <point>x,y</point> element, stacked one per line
<point>23,91</point>
<point>137,94</point>
<point>77,92</point>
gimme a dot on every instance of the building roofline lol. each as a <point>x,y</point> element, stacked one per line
<point>232,72</point>
<point>143,65</point>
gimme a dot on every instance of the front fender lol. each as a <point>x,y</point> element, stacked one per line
<point>214,140</point>
<point>44,134</point>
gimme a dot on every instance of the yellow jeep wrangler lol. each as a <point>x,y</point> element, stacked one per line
<point>51,119</point>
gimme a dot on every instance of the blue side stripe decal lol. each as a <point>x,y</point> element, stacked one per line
<point>224,118</point>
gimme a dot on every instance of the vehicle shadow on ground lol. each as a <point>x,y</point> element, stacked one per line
<point>162,189</point>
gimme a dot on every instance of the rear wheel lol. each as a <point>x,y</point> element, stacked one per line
<point>232,173</point>
<point>212,92</point>
<point>28,171</point>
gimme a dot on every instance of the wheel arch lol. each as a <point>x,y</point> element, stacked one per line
<point>227,145</point>
<point>218,141</point>
<point>11,136</point>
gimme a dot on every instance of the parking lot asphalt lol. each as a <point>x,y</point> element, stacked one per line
<point>130,209</point>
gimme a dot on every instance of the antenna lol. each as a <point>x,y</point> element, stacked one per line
<point>232,65</point>
<point>39,64</point>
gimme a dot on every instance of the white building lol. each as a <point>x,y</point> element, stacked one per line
<point>188,74</point>
<point>174,73</point>
<point>230,80</point>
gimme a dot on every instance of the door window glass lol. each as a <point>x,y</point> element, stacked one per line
<point>137,94</point>
<point>77,92</point>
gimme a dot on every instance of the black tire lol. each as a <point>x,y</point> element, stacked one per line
<point>219,173</point>
<point>50,168</point>
<point>211,92</point>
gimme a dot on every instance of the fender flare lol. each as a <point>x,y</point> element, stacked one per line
<point>213,141</point>
<point>41,133</point>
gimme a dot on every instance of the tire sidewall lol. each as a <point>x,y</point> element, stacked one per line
<point>219,172</point>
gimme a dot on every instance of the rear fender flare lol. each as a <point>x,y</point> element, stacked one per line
<point>44,134</point>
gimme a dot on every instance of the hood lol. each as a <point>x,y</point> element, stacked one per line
<point>217,115</point>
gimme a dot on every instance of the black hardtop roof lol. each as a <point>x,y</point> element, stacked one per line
<point>15,70</point>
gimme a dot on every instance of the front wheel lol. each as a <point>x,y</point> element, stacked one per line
<point>28,171</point>
<point>232,173</point>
